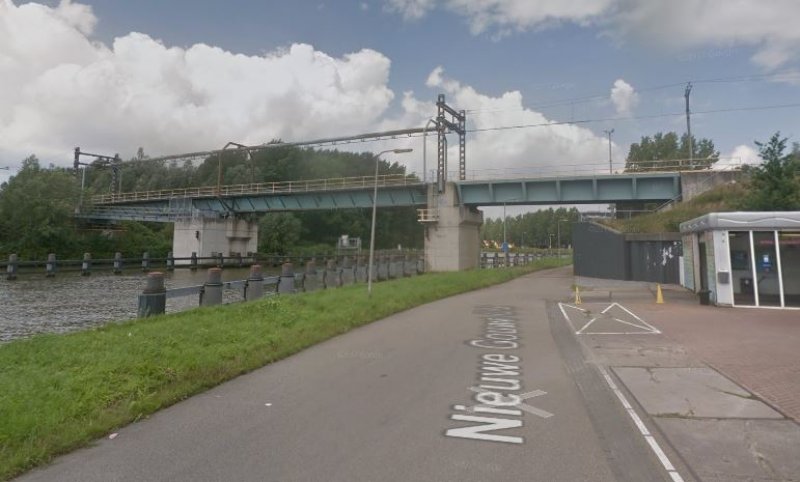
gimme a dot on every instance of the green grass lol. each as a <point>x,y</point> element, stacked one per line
<point>59,392</point>
<point>724,198</point>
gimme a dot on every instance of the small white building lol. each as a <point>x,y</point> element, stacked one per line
<point>749,259</point>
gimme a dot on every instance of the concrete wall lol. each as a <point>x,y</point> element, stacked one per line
<point>453,242</point>
<point>694,183</point>
<point>207,236</point>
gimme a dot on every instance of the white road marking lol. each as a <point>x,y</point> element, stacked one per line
<point>647,329</point>
<point>676,477</point>
<point>522,406</point>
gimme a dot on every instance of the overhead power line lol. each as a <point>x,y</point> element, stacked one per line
<point>786,75</point>
<point>638,117</point>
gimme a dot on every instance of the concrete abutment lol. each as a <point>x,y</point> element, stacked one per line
<point>207,237</point>
<point>452,239</point>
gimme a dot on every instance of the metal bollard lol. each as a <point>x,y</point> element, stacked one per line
<point>153,300</point>
<point>311,267</point>
<point>117,263</point>
<point>255,284</point>
<point>212,289</point>
<point>145,261</point>
<point>12,267</point>
<point>383,268</point>
<point>331,278</point>
<point>347,271</point>
<point>170,262</point>
<point>286,284</point>
<point>86,265</point>
<point>193,261</point>
<point>50,267</point>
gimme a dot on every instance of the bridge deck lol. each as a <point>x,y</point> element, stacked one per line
<point>393,190</point>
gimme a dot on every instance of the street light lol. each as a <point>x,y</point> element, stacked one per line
<point>608,133</point>
<point>374,211</point>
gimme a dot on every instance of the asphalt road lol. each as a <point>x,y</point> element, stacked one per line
<point>386,402</point>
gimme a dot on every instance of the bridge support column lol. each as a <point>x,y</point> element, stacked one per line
<point>452,237</point>
<point>207,236</point>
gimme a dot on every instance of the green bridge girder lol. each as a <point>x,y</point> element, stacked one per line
<point>598,189</point>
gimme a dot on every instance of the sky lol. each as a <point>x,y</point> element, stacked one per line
<point>111,76</point>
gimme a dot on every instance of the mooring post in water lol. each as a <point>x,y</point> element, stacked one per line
<point>117,263</point>
<point>86,264</point>
<point>220,260</point>
<point>212,289</point>
<point>255,284</point>
<point>145,261</point>
<point>239,260</point>
<point>193,261</point>
<point>153,299</point>
<point>170,261</point>
<point>12,267</point>
<point>286,284</point>
<point>50,267</point>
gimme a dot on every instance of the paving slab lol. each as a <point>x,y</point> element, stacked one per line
<point>737,450</point>
<point>691,392</point>
<point>639,351</point>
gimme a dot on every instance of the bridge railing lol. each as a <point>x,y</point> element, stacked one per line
<point>283,187</point>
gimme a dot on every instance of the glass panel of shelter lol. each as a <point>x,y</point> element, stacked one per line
<point>789,243</point>
<point>741,268</point>
<point>767,281</point>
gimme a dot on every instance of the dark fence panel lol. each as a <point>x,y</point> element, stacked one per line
<point>600,252</point>
<point>654,261</point>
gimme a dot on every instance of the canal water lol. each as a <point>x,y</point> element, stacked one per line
<point>36,304</point>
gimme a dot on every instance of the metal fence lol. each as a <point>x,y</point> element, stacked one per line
<point>601,252</point>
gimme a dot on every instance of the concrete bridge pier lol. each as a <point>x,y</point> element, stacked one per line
<point>452,232</point>
<point>205,236</point>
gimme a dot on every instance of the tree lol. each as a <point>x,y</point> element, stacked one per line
<point>36,208</point>
<point>775,184</point>
<point>650,153</point>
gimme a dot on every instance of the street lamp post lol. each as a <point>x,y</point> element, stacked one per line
<point>374,211</point>
<point>608,133</point>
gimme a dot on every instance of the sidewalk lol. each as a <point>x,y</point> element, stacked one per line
<point>721,384</point>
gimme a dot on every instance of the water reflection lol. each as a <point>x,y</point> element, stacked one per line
<point>36,304</point>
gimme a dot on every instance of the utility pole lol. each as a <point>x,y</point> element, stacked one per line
<point>610,168</point>
<point>689,124</point>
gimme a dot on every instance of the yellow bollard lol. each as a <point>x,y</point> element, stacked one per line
<point>659,296</point>
<point>577,295</point>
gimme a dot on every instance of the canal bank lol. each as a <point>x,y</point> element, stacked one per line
<point>64,391</point>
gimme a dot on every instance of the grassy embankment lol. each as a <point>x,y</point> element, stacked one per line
<point>59,392</point>
<point>725,198</point>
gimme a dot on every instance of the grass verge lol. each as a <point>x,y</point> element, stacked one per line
<point>59,392</point>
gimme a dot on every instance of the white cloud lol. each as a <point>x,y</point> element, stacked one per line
<point>740,156</point>
<point>410,9</point>
<point>554,148</point>
<point>61,89</point>
<point>525,14</point>
<point>768,26</point>
<point>624,97</point>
